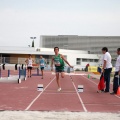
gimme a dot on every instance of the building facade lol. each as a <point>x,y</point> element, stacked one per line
<point>18,55</point>
<point>93,44</point>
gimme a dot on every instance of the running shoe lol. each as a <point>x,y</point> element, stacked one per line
<point>59,89</point>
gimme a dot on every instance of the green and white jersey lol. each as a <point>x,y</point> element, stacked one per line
<point>59,63</point>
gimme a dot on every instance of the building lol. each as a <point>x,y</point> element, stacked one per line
<point>92,44</point>
<point>18,55</point>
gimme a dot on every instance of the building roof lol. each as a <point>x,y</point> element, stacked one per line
<point>36,50</point>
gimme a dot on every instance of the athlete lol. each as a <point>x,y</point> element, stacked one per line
<point>42,65</point>
<point>29,62</point>
<point>58,60</point>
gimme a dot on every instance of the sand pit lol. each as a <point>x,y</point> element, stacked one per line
<point>37,115</point>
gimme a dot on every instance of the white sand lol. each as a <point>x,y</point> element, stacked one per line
<point>36,115</point>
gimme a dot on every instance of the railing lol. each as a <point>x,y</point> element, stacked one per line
<point>18,60</point>
<point>12,60</point>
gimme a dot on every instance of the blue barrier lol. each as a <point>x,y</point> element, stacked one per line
<point>22,72</point>
<point>38,73</point>
<point>99,70</point>
<point>8,73</point>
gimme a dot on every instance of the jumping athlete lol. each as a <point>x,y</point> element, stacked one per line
<point>58,60</point>
<point>42,65</point>
<point>29,62</point>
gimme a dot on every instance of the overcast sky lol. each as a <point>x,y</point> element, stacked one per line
<point>22,19</point>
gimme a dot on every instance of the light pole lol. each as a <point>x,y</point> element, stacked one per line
<point>33,38</point>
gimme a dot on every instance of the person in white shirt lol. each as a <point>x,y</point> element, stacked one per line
<point>117,72</point>
<point>107,67</point>
<point>29,62</point>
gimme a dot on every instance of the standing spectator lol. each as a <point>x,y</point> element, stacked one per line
<point>117,72</point>
<point>107,67</point>
<point>42,65</point>
<point>29,62</point>
<point>86,68</point>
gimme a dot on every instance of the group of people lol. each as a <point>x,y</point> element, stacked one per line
<point>58,60</point>
<point>107,68</point>
<point>30,61</point>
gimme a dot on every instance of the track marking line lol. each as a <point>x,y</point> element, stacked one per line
<point>53,73</point>
<point>80,99</point>
<point>59,93</point>
<point>117,96</point>
<point>62,91</point>
<point>97,84</point>
<point>104,104</point>
<point>39,95</point>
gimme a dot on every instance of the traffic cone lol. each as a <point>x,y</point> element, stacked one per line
<point>118,91</point>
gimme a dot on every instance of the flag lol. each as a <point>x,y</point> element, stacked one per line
<point>101,84</point>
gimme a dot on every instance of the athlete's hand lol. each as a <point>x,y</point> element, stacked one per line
<point>103,70</point>
<point>71,66</point>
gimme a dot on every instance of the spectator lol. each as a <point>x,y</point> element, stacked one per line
<point>117,72</point>
<point>29,62</point>
<point>107,67</point>
<point>42,65</point>
<point>86,68</point>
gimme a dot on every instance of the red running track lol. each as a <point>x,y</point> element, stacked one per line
<point>25,96</point>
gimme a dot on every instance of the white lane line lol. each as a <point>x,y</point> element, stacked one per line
<point>97,84</point>
<point>38,95</point>
<point>60,93</point>
<point>80,99</point>
<point>117,96</point>
<point>103,104</point>
<point>53,73</point>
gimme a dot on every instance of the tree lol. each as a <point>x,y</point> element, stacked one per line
<point>33,43</point>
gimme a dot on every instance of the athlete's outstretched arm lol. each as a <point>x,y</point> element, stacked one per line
<point>66,61</point>
<point>26,61</point>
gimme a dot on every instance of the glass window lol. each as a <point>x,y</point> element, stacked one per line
<point>84,60</point>
<point>95,60</point>
<point>78,61</point>
<point>91,60</point>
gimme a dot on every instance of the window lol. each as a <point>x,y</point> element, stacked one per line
<point>90,60</point>
<point>84,60</point>
<point>95,60</point>
<point>78,61</point>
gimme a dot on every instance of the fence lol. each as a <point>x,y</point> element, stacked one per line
<point>20,60</point>
<point>12,60</point>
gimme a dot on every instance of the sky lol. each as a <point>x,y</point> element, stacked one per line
<point>22,19</point>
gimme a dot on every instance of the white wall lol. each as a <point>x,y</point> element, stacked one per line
<point>72,59</point>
